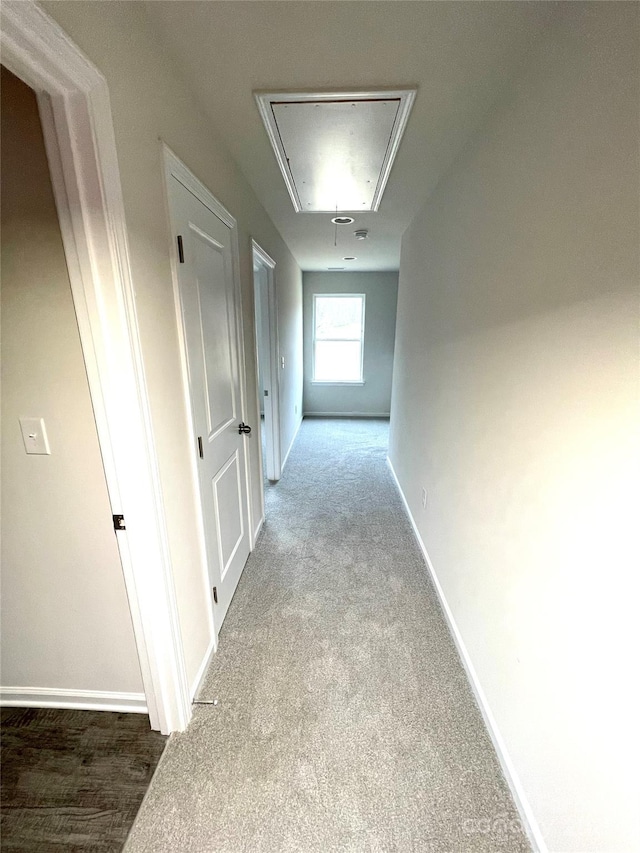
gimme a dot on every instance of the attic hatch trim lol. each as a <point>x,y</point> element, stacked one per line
<point>265,101</point>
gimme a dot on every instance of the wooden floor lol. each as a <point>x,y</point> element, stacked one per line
<point>73,780</point>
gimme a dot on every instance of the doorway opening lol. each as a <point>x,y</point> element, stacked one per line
<point>70,664</point>
<point>56,588</point>
<point>76,117</point>
<point>266,346</point>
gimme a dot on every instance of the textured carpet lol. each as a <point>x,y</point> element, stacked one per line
<point>344,721</point>
<point>73,780</point>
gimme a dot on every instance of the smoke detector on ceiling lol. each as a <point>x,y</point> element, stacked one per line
<point>361,234</point>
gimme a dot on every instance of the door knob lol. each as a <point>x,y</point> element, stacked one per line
<point>244,428</point>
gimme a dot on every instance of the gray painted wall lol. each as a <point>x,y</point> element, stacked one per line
<point>374,397</point>
<point>515,407</point>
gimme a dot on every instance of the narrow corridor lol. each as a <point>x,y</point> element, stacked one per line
<point>344,720</point>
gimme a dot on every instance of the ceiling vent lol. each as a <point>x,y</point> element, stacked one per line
<point>335,149</point>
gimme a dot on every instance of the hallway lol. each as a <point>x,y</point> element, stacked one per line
<point>344,721</point>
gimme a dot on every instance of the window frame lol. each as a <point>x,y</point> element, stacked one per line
<point>360,381</point>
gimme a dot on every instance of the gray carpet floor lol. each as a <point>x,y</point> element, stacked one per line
<point>344,720</point>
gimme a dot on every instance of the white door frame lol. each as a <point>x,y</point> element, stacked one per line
<point>76,113</point>
<point>175,168</point>
<point>274,458</point>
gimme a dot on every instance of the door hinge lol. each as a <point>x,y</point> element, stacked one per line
<point>118,522</point>
<point>180,250</point>
<point>200,447</point>
<point>215,594</point>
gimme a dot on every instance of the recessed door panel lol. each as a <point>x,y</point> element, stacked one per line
<point>216,307</point>
<point>228,503</point>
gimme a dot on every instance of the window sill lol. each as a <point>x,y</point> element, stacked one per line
<point>337,382</point>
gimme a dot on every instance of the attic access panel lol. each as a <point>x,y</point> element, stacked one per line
<point>335,150</point>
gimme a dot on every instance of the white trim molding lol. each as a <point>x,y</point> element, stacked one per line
<point>293,441</point>
<point>384,415</point>
<point>81,700</point>
<point>174,166</point>
<point>196,684</point>
<point>527,817</point>
<point>258,530</point>
<point>265,257</point>
<point>74,97</point>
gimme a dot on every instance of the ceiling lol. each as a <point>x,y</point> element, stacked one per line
<point>335,152</point>
<point>460,55</point>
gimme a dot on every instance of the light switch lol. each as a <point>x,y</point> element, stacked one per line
<point>34,435</point>
<point>282,362</point>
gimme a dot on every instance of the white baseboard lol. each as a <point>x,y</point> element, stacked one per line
<point>202,670</point>
<point>84,700</point>
<point>529,822</point>
<point>347,415</point>
<point>293,441</point>
<point>256,532</point>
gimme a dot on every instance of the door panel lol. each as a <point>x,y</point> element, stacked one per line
<point>227,495</point>
<point>209,302</point>
<point>216,309</point>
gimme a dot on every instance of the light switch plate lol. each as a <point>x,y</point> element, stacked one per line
<point>34,435</point>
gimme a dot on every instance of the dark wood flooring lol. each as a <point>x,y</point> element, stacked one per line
<point>73,780</point>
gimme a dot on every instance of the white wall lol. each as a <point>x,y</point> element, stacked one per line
<point>65,617</point>
<point>374,397</point>
<point>149,101</point>
<point>289,299</point>
<point>515,404</point>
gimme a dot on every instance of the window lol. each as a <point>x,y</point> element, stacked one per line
<point>338,337</point>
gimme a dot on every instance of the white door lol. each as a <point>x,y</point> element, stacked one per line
<point>209,302</point>
<point>265,384</point>
<point>267,358</point>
